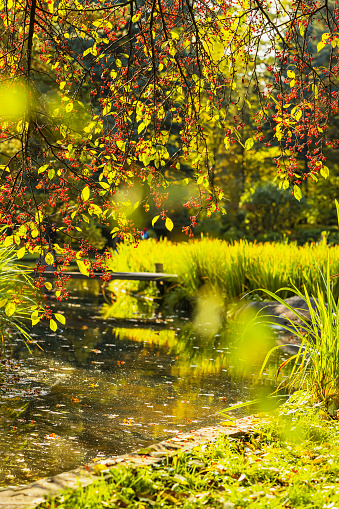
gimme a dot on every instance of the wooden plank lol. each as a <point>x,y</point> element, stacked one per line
<point>123,276</point>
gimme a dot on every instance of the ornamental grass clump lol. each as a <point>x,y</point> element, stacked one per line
<point>316,363</point>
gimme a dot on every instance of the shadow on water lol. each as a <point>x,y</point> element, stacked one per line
<point>105,386</point>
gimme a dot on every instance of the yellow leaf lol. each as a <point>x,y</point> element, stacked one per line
<point>154,220</point>
<point>49,259</point>
<point>39,216</point>
<point>320,45</point>
<point>85,194</point>
<point>98,468</point>
<point>324,172</point>
<point>62,85</point>
<point>169,224</point>
<point>136,17</point>
<point>60,318</point>
<point>21,252</point>
<point>69,107</point>
<point>84,269</point>
<point>106,109</point>
<point>249,143</point>
<point>8,240</point>
<point>53,325</point>
<point>10,308</point>
<point>51,173</point>
<point>228,423</point>
<point>48,285</point>
<point>297,193</point>
<point>291,74</point>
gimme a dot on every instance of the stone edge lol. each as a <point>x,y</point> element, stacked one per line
<point>31,495</point>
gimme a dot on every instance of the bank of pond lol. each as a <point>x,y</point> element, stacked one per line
<point>289,459</point>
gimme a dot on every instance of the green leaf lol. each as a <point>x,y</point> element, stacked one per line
<point>21,252</point>
<point>169,224</point>
<point>185,182</point>
<point>48,285</point>
<point>84,269</point>
<point>53,325</point>
<point>249,143</point>
<point>51,173</point>
<point>49,259</point>
<point>43,168</point>
<point>60,318</point>
<point>297,193</point>
<point>154,220</point>
<point>10,308</point>
<point>324,172</point>
<point>85,193</point>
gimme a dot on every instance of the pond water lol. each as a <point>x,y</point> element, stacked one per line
<point>106,386</point>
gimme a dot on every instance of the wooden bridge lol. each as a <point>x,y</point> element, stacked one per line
<point>124,276</point>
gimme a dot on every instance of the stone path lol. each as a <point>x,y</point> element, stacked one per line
<point>30,496</point>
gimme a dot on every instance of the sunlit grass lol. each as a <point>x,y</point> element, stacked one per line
<point>289,459</point>
<point>316,364</point>
<point>228,270</point>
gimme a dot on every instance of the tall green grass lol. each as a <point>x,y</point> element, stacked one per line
<point>316,364</point>
<point>231,270</point>
<point>18,295</point>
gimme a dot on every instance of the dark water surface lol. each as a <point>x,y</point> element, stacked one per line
<point>104,387</point>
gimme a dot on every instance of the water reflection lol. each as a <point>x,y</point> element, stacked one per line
<point>104,386</point>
